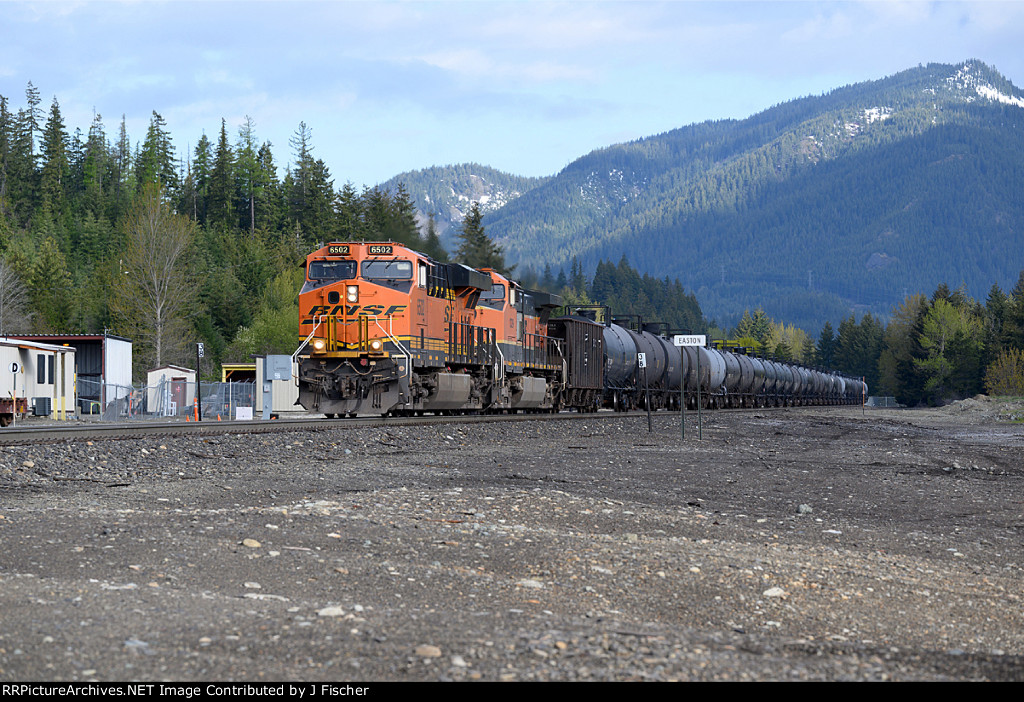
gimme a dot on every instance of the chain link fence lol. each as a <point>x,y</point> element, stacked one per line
<point>166,400</point>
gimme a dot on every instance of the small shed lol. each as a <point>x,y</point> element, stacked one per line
<point>170,390</point>
<point>36,377</point>
<point>238,373</point>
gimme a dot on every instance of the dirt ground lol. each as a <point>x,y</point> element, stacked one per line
<point>795,544</point>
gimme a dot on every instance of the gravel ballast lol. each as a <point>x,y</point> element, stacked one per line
<point>795,544</point>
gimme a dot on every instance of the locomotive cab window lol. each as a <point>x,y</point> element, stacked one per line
<point>493,298</point>
<point>332,270</point>
<point>395,269</point>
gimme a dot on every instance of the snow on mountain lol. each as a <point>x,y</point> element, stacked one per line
<point>967,79</point>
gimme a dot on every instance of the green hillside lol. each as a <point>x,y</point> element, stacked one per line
<point>812,209</point>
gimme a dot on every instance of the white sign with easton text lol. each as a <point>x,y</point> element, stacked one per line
<point>690,340</point>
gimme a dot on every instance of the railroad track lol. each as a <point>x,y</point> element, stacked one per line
<point>52,433</point>
<point>57,433</point>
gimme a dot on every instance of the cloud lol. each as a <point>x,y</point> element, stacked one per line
<point>386,83</point>
<point>475,63</point>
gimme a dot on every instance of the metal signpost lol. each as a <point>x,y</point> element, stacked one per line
<point>642,360</point>
<point>682,340</point>
<point>200,352</point>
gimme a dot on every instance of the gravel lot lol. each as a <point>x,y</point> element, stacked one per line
<point>798,544</point>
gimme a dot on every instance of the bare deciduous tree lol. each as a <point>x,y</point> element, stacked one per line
<point>15,316</point>
<point>153,293</point>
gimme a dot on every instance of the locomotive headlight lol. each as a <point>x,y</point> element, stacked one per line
<point>352,293</point>
<point>319,345</point>
<point>376,345</point>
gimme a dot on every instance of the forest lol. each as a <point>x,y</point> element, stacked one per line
<point>102,233</point>
<point>936,348</point>
<point>99,233</point>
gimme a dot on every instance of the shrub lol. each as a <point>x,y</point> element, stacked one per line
<point>1005,376</point>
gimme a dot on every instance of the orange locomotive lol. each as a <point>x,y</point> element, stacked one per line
<point>389,330</point>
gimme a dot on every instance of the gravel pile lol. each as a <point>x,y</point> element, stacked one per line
<point>810,544</point>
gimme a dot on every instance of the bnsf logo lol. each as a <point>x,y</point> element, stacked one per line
<point>353,310</point>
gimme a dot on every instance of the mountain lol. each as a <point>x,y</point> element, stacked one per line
<point>449,191</point>
<point>811,209</point>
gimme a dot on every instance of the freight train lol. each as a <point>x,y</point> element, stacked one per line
<point>388,330</point>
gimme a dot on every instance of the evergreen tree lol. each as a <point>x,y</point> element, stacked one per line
<point>6,136</point>
<point>53,181</point>
<point>577,280</point>
<point>221,198</point>
<point>826,346</point>
<point>476,249</point>
<point>401,226</point>
<point>250,176</point>
<point>547,280</point>
<point>268,193</point>
<point>121,172</point>
<point>375,206</point>
<point>95,164</point>
<point>349,214</point>
<point>1013,317</point>
<point>50,287</point>
<point>432,242</point>
<point>155,162</point>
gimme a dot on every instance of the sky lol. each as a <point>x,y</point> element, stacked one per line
<point>525,87</point>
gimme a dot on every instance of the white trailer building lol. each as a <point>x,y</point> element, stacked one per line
<point>36,377</point>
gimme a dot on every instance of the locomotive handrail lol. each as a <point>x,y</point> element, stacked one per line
<point>317,321</point>
<point>501,366</point>
<point>394,339</point>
